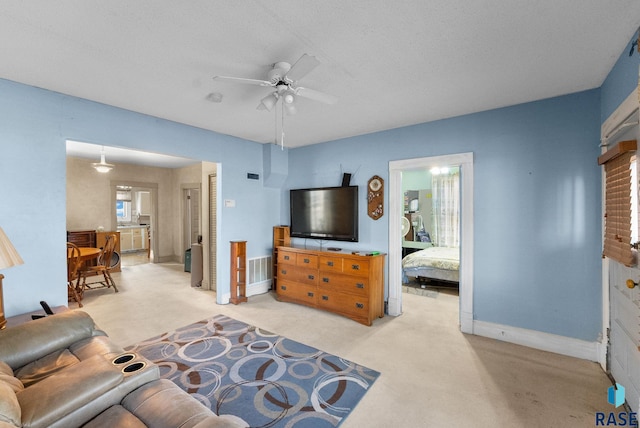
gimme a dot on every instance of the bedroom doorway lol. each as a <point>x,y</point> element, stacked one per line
<point>431,230</point>
<point>396,206</point>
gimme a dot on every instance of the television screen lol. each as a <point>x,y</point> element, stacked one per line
<point>325,213</point>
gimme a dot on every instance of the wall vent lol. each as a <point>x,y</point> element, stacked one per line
<point>259,271</point>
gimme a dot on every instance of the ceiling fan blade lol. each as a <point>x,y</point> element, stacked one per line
<point>243,80</point>
<point>302,67</point>
<point>312,94</point>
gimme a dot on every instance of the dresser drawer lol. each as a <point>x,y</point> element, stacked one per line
<point>286,272</point>
<point>307,261</point>
<point>307,276</point>
<point>344,283</point>
<point>345,303</point>
<point>358,267</point>
<point>330,264</point>
<point>303,293</point>
<point>293,273</point>
<point>286,258</point>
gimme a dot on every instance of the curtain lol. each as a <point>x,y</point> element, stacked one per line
<point>445,190</point>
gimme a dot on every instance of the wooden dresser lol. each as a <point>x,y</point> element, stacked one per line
<point>348,284</point>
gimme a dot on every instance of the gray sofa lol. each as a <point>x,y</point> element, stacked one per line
<point>63,371</point>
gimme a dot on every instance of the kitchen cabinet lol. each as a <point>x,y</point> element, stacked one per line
<point>143,203</point>
<point>133,238</point>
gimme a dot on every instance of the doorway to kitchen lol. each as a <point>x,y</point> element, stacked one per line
<point>135,211</point>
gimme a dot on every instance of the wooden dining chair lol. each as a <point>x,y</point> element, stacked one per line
<point>73,269</point>
<point>103,267</point>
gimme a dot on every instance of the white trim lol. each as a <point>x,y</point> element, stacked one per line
<point>606,316</point>
<point>259,288</point>
<point>396,203</point>
<point>620,115</point>
<point>539,340</point>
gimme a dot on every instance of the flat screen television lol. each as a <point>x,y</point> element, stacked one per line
<point>325,213</point>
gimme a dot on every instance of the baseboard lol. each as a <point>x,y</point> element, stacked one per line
<point>259,288</point>
<point>252,290</point>
<point>167,259</point>
<point>466,323</point>
<point>539,340</point>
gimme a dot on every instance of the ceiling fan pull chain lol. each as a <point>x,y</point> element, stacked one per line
<point>282,128</point>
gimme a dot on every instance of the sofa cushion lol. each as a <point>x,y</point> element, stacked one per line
<point>44,367</point>
<point>61,394</point>
<point>115,416</point>
<point>10,411</point>
<point>6,376</point>
<point>22,344</point>
<point>162,404</point>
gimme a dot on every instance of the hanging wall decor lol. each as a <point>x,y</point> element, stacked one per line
<point>375,197</point>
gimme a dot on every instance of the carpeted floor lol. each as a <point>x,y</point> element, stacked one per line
<point>262,378</point>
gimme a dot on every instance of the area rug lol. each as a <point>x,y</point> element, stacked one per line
<point>264,379</point>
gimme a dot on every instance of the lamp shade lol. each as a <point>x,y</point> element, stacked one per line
<point>102,166</point>
<point>268,102</point>
<point>8,254</point>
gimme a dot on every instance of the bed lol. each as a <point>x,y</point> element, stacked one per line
<point>434,263</point>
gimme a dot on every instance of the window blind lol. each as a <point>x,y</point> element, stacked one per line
<point>617,234</point>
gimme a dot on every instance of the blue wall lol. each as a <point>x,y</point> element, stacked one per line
<point>537,192</point>
<point>34,126</point>
<point>622,79</point>
<point>536,200</point>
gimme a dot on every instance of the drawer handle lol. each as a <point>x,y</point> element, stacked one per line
<point>325,297</point>
<point>310,294</point>
<point>283,271</point>
<point>359,306</point>
<point>359,285</point>
<point>283,287</point>
<point>286,257</point>
<point>329,263</point>
<point>306,260</point>
<point>325,280</point>
<point>311,277</point>
<point>355,267</point>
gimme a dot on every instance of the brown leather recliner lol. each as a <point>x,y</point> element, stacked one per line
<point>63,371</point>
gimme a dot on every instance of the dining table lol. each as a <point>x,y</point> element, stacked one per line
<point>86,253</point>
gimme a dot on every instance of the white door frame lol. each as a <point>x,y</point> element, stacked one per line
<point>608,131</point>
<point>396,206</point>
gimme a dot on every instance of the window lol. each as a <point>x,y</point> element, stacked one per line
<point>619,161</point>
<point>123,210</point>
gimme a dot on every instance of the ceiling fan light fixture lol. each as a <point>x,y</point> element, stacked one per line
<point>289,97</point>
<point>290,109</point>
<point>102,166</point>
<point>268,102</point>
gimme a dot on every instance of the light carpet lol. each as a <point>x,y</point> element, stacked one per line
<point>262,378</point>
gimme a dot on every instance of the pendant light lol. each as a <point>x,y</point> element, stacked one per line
<point>102,166</point>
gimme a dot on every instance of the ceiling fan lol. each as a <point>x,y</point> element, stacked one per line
<point>284,78</point>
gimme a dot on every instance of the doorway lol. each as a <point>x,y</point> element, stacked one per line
<point>191,214</point>
<point>396,202</point>
<point>135,212</point>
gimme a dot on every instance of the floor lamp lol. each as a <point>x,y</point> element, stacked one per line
<point>8,257</point>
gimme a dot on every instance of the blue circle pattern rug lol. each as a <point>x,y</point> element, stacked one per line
<point>256,377</point>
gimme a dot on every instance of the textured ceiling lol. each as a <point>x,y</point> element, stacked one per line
<point>390,64</point>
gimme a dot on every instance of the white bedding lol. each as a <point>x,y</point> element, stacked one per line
<point>445,258</point>
<point>435,263</point>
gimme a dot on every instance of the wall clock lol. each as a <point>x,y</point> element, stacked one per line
<point>375,197</point>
